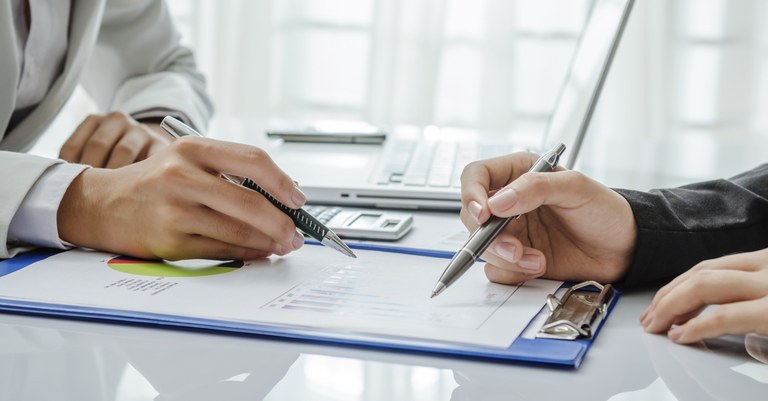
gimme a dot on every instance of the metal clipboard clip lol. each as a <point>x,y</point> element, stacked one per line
<point>579,313</point>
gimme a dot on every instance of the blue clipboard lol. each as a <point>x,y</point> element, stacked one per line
<point>569,353</point>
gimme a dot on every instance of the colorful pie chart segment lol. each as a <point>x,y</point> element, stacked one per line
<point>184,268</point>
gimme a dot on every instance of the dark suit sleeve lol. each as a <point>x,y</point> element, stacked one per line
<point>679,227</point>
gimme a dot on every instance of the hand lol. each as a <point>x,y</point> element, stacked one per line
<point>174,205</point>
<point>571,228</point>
<point>113,140</point>
<point>738,283</point>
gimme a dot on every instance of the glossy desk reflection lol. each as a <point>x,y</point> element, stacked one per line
<point>47,359</point>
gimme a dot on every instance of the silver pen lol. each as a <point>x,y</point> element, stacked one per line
<point>485,234</point>
<point>304,220</point>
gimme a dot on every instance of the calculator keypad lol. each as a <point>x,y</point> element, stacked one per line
<point>323,213</point>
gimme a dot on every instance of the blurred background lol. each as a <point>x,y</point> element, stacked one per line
<point>685,100</point>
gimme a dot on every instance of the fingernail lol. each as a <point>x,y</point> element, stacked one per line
<point>503,200</point>
<point>474,210</point>
<point>646,320</point>
<point>298,197</point>
<point>298,241</point>
<point>506,251</point>
<point>531,263</point>
<point>676,334</point>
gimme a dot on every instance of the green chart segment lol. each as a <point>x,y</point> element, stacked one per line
<point>190,268</point>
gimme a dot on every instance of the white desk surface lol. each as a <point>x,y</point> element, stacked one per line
<point>54,359</point>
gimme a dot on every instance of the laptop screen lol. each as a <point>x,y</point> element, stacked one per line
<point>586,75</point>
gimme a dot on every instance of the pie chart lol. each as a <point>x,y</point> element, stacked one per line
<point>182,268</point>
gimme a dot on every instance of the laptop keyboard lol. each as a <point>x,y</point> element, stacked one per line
<point>435,163</point>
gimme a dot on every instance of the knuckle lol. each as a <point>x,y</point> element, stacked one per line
<point>188,145</point>
<point>575,176</point>
<point>470,167</point>
<point>171,213</point>
<point>535,181</point>
<point>123,149</point>
<point>118,116</point>
<point>701,279</point>
<point>100,142</point>
<point>715,318</point>
<point>172,172</point>
<point>255,154</point>
<point>69,149</point>
<point>93,118</point>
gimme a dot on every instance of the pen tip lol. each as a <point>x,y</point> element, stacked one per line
<point>438,289</point>
<point>332,240</point>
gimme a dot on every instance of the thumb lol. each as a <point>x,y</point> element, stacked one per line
<point>564,188</point>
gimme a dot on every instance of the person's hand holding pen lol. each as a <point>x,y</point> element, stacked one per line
<point>174,205</point>
<point>571,227</point>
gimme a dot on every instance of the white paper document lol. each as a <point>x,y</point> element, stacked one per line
<point>379,294</point>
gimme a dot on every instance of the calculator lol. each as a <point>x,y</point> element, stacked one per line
<point>363,224</point>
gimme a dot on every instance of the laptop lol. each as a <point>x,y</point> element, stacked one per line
<point>419,168</point>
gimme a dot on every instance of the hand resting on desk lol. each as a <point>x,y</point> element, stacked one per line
<point>738,283</point>
<point>574,228</point>
<point>113,140</point>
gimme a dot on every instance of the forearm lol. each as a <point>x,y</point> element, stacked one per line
<point>679,227</point>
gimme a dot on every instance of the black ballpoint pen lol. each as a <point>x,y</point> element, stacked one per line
<point>482,237</point>
<point>303,220</point>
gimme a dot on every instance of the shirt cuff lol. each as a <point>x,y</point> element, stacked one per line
<point>35,222</point>
<point>157,114</point>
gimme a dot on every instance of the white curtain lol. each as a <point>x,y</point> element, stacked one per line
<point>683,101</point>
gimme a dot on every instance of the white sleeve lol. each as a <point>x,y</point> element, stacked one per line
<point>35,222</point>
<point>139,64</point>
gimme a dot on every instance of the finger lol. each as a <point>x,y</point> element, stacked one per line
<point>158,140</point>
<point>243,161</point>
<point>72,149</point>
<point>685,317</point>
<point>707,287</point>
<point>733,318</point>
<point>154,147</point>
<point>757,346</point>
<point>128,149</point>
<point>507,248</point>
<point>199,247</point>
<point>481,177</point>
<point>214,225</point>
<point>564,188</point>
<point>512,273</point>
<point>247,206</point>
<point>100,144</point>
<point>470,222</point>
<point>748,261</point>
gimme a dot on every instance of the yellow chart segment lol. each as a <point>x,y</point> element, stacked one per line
<point>192,268</point>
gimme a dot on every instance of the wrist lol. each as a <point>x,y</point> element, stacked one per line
<point>79,212</point>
